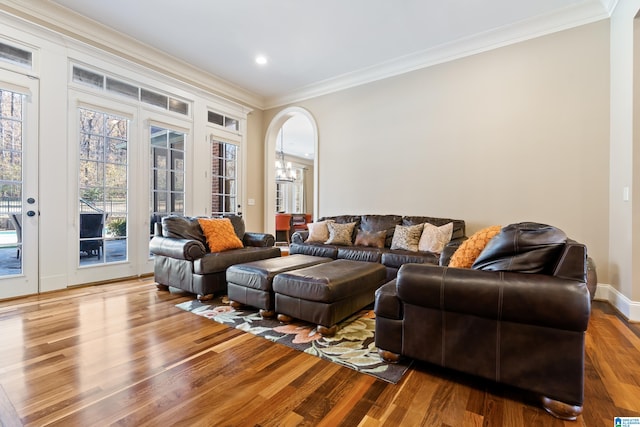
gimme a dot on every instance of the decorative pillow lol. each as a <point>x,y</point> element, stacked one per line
<point>526,247</point>
<point>340,234</point>
<point>379,223</point>
<point>469,250</point>
<point>318,231</point>
<point>435,238</point>
<point>373,239</point>
<point>220,234</point>
<point>407,237</point>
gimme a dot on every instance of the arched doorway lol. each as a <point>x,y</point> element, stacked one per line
<point>297,123</point>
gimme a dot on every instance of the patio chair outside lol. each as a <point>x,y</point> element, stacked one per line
<point>16,220</point>
<point>91,227</point>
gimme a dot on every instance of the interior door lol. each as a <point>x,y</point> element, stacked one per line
<point>19,213</point>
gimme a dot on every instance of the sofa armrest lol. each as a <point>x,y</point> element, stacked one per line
<point>525,298</point>
<point>299,236</point>
<point>262,240</point>
<point>189,250</point>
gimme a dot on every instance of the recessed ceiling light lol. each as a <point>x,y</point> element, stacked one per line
<point>261,60</point>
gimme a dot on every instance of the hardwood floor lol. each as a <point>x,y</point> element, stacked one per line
<point>122,354</point>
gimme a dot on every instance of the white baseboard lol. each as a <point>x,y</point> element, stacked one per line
<point>628,308</point>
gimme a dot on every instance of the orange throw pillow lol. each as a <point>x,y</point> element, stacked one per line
<point>469,250</point>
<point>220,234</point>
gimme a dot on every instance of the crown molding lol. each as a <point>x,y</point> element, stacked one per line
<point>569,17</point>
<point>65,22</point>
<point>609,5</point>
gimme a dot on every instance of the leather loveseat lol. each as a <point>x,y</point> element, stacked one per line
<point>392,259</point>
<point>518,316</point>
<point>182,258</point>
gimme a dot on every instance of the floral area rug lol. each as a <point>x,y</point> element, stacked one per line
<point>352,346</point>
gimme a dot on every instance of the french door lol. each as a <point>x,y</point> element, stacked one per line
<point>19,213</point>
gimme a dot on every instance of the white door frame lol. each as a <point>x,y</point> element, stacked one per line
<point>270,159</point>
<point>27,282</point>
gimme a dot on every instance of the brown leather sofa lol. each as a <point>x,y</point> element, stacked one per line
<point>392,259</point>
<point>182,258</point>
<point>517,317</point>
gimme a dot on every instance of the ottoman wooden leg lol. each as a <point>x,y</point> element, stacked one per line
<point>206,297</point>
<point>564,411</point>
<point>267,314</point>
<point>327,332</point>
<point>235,304</point>
<point>388,356</point>
<point>162,287</point>
<point>285,318</point>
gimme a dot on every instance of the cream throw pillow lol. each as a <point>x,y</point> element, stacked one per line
<point>435,238</point>
<point>407,237</point>
<point>318,231</point>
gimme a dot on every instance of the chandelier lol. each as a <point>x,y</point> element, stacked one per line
<point>284,169</point>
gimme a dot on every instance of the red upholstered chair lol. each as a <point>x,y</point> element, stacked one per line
<point>283,224</point>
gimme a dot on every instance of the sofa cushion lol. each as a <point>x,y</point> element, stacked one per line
<point>373,239</point>
<point>434,238</point>
<point>360,254</point>
<point>314,249</point>
<point>181,227</point>
<point>407,237</point>
<point>220,234</point>
<point>525,247</point>
<point>379,223</point>
<point>469,250</point>
<point>340,234</point>
<point>342,219</point>
<point>238,225</point>
<point>397,258</point>
<point>216,262</point>
<point>318,231</point>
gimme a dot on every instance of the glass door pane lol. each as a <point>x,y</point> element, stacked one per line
<point>19,214</point>
<point>11,125</point>
<point>103,188</point>
<point>167,174</point>
<point>224,166</point>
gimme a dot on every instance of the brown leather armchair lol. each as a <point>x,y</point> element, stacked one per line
<point>522,329</point>
<point>182,258</point>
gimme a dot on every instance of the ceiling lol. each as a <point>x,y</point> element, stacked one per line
<point>315,47</point>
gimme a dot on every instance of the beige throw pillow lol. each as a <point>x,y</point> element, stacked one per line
<point>318,231</point>
<point>435,238</point>
<point>407,237</point>
<point>340,234</point>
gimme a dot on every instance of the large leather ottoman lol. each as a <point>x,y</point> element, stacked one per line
<point>250,283</point>
<point>327,293</point>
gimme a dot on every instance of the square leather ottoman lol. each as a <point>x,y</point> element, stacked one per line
<point>327,293</point>
<point>250,283</point>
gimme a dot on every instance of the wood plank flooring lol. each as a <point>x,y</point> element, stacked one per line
<point>122,354</point>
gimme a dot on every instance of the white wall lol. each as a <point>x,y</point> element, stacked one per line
<point>623,240</point>
<point>519,133</point>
